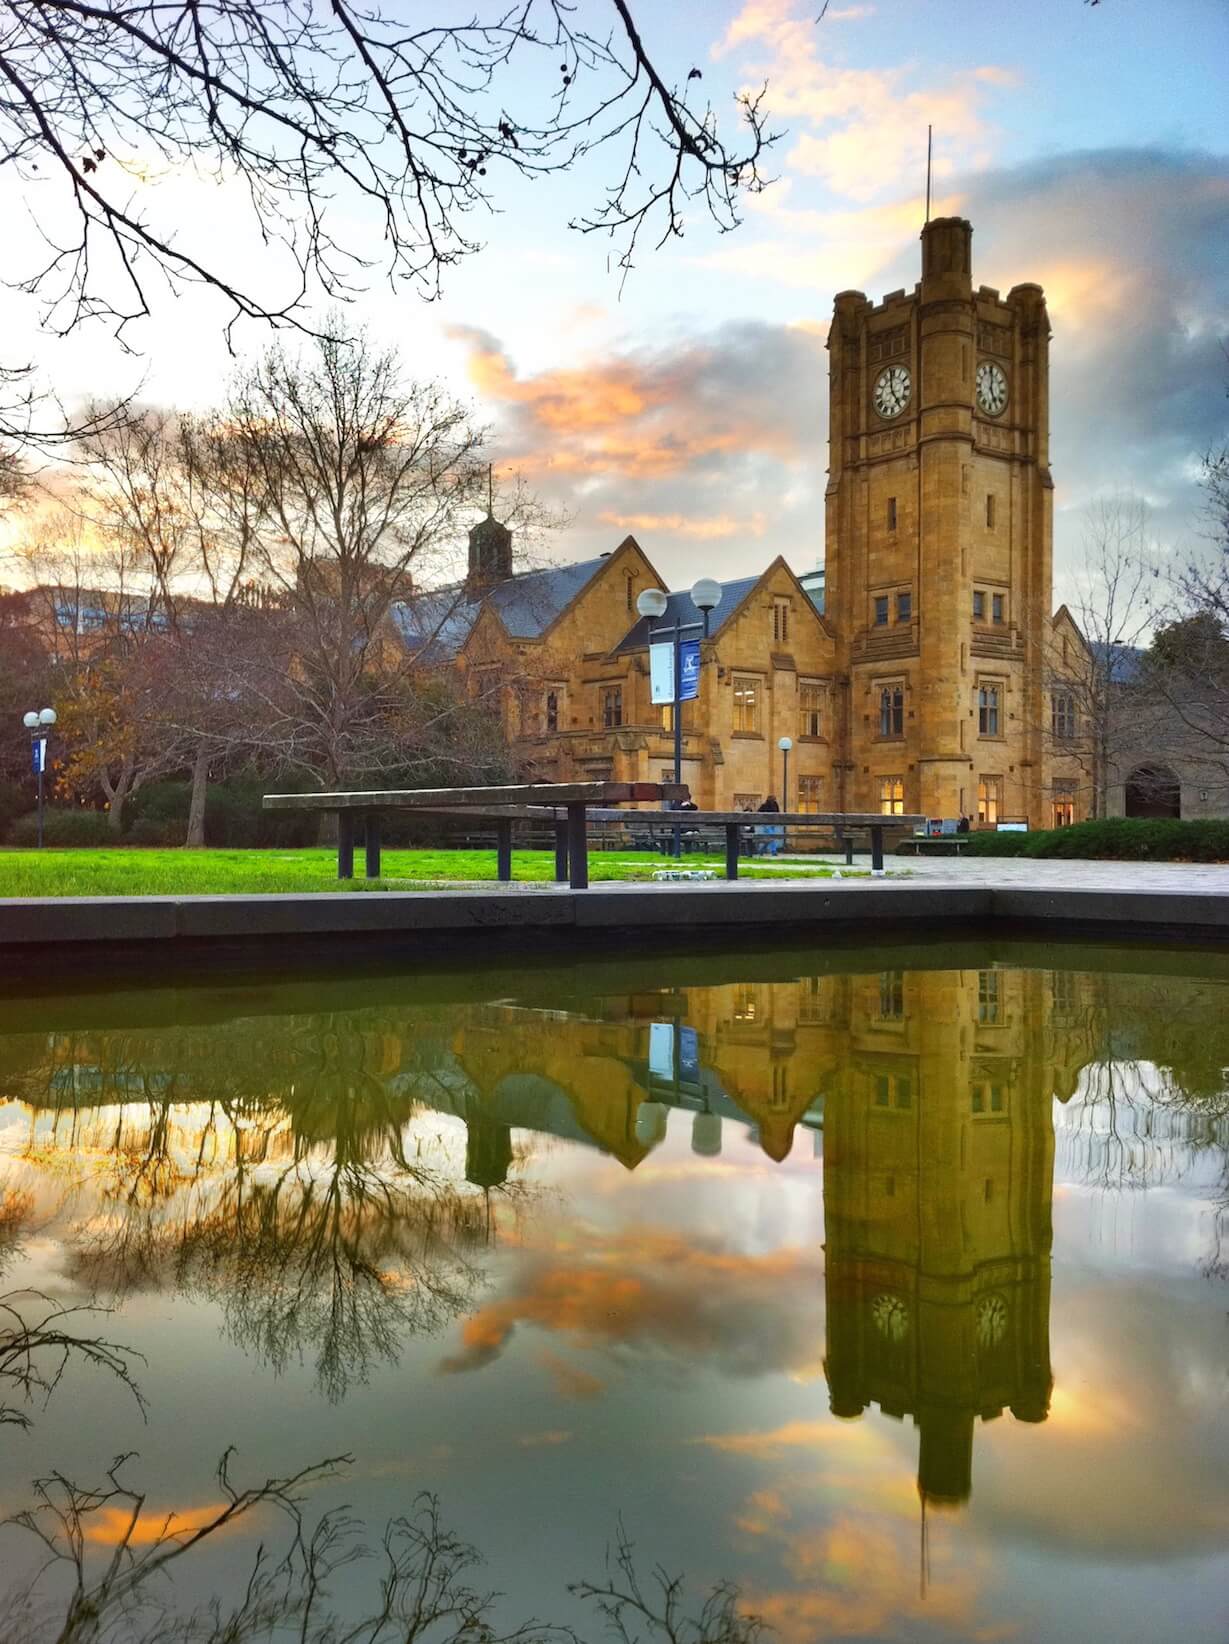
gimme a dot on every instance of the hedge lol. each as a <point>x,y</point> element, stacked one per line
<point>63,825</point>
<point>1117,838</point>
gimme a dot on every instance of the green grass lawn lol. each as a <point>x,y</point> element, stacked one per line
<point>133,871</point>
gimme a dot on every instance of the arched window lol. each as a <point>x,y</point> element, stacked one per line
<point>988,710</point>
<point>892,710</point>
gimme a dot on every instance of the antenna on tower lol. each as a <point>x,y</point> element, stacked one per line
<point>929,130</point>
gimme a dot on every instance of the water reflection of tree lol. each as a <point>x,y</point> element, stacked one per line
<point>112,1566</point>
<point>268,1172</point>
<point>1154,1093</point>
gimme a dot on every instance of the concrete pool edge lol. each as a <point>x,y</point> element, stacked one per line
<point>612,913</point>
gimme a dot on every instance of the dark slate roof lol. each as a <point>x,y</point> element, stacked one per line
<point>679,608</point>
<point>441,619</point>
<point>1126,662</point>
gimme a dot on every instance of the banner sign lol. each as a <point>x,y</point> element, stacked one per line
<point>661,673</point>
<point>38,751</point>
<point>689,659</point>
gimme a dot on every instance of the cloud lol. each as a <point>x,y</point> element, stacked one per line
<point>867,125</point>
<point>701,438</point>
<point>656,1294</point>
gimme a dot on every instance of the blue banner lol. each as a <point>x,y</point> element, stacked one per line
<point>38,752</point>
<point>689,669</point>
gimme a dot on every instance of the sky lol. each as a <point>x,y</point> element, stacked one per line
<point>1088,144</point>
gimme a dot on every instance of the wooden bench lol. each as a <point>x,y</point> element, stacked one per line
<point>564,804</point>
<point>733,824</point>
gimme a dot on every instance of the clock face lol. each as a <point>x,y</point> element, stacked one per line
<point>991,388</point>
<point>892,389</point>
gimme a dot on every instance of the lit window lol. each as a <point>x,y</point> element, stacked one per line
<point>892,710</point>
<point>891,795</point>
<point>988,710</point>
<point>989,799</point>
<point>881,611</point>
<point>746,703</point>
<point>1062,806</point>
<point>810,708</point>
<point>904,607</point>
<point>612,706</point>
<point>810,793</point>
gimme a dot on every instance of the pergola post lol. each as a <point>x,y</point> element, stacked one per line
<point>345,844</point>
<point>578,848</point>
<point>503,850</point>
<point>732,831</point>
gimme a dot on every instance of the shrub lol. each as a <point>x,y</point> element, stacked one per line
<point>1117,838</point>
<point>63,826</point>
<point>14,800</point>
<point>161,802</point>
<point>152,830</point>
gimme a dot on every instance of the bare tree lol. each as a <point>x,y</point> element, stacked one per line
<point>39,1339</point>
<point>357,485</point>
<point>1090,705</point>
<point>310,112</point>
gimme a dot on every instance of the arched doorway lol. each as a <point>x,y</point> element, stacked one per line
<point>1153,790</point>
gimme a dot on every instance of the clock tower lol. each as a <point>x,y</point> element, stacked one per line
<point>938,559</point>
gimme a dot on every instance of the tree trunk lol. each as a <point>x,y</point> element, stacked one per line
<point>196,807</point>
<point>117,797</point>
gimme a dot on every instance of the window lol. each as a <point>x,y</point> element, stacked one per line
<point>987,996</point>
<point>810,708</point>
<point>891,796</point>
<point>904,607</point>
<point>988,710</point>
<point>552,710</point>
<point>1062,715</point>
<point>813,1001</point>
<point>780,1084</point>
<point>780,621</point>
<point>894,1090</point>
<point>891,995</point>
<point>996,607</point>
<point>746,801</point>
<point>1062,806</point>
<point>979,605</point>
<point>989,799</point>
<point>987,1098</point>
<point>810,793</point>
<point>881,611</point>
<point>746,1002</point>
<point>1062,998</point>
<point>891,513</point>
<point>892,710</point>
<point>990,510</point>
<point>612,706</point>
<point>746,704</point>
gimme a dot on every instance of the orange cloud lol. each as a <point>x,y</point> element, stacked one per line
<point>650,415</point>
<point>656,1292</point>
<point>724,525</point>
<point>109,1526</point>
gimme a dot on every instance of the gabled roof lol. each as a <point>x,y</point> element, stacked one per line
<point>680,608</point>
<point>440,620</point>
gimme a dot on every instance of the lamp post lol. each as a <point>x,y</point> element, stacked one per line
<point>653,604</point>
<point>39,724</point>
<point>785,744</point>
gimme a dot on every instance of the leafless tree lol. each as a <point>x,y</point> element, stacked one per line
<point>1090,705</point>
<point>39,1338</point>
<point>313,115</point>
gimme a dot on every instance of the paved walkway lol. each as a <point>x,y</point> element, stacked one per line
<point>1052,873</point>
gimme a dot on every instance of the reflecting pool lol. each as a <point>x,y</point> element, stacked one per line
<point>875,1295</point>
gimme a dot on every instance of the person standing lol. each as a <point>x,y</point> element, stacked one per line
<point>770,839</point>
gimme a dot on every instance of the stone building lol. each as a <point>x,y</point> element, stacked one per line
<point>914,675</point>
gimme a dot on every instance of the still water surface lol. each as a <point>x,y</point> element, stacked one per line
<point>893,1299</point>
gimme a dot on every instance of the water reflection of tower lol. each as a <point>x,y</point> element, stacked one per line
<point>938,1160</point>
